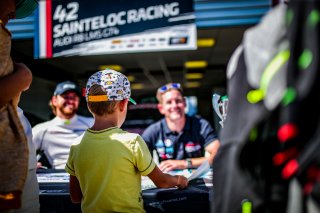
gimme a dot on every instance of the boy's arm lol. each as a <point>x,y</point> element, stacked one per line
<point>163,180</point>
<point>75,190</point>
<point>13,84</point>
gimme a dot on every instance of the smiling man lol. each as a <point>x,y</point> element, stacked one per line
<point>179,140</point>
<point>54,138</point>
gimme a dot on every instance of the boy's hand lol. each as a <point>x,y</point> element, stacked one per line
<point>182,181</point>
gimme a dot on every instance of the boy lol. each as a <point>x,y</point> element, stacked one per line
<point>106,166</point>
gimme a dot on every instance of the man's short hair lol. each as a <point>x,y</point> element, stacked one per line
<point>167,87</point>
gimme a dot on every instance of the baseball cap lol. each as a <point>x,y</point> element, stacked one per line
<point>25,8</point>
<point>65,87</point>
<point>116,84</point>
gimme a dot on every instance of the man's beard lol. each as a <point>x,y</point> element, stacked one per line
<point>68,111</point>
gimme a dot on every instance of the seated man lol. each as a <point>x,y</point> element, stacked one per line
<point>179,140</point>
<point>54,138</point>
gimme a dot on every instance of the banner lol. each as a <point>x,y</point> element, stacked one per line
<point>83,27</point>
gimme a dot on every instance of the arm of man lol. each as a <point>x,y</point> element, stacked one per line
<point>162,180</point>
<point>211,148</point>
<point>13,84</point>
<point>75,190</point>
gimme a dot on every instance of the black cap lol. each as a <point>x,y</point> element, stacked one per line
<point>65,87</point>
<point>25,8</point>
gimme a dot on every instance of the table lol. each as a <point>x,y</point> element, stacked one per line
<point>55,198</point>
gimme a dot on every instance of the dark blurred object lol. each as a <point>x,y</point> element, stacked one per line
<point>33,119</point>
<point>271,138</point>
<point>140,116</point>
<point>42,158</point>
<point>276,2</point>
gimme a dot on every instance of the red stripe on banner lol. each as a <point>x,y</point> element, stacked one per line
<point>49,28</point>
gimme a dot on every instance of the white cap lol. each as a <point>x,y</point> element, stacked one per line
<point>116,84</point>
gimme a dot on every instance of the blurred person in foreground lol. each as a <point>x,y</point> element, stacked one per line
<point>179,140</point>
<point>18,185</point>
<point>270,140</point>
<point>109,156</point>
<point>53,138</point>
<point>30,194</point>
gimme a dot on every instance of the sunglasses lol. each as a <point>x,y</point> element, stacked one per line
<point>166,87</point>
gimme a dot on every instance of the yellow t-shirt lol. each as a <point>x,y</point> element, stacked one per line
<point>109,164</point>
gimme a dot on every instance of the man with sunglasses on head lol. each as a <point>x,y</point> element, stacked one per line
<point>54,138</point>
<point>179,140</point>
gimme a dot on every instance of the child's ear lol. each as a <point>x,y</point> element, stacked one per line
<point>123,105</point>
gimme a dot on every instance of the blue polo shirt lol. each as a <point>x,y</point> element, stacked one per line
<point>190,143</point>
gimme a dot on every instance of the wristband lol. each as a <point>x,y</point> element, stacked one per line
<point>189,163</point>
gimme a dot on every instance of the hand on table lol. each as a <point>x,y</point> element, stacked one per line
<point>169,165</point>
<point>182,181</point>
